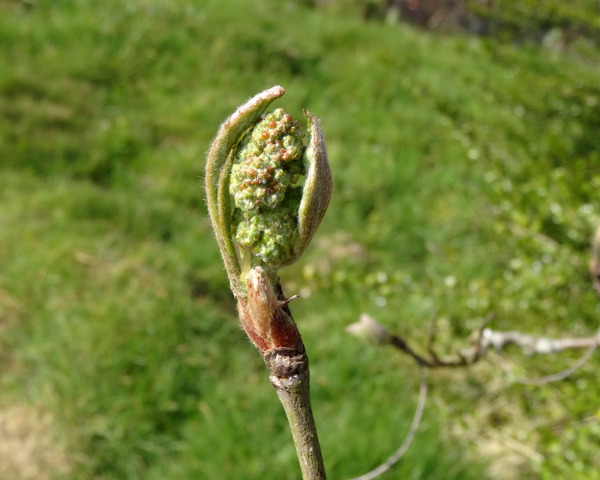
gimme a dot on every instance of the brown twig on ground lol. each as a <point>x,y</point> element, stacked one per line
<point>576,343</point>
<point>389,463</point>
<point>531,345</point>
<point>460,359</point>
<point>483,338</point>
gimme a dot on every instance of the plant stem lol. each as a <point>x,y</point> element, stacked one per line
<point>290,377</point>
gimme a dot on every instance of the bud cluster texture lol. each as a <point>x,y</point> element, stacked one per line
<point>267,165</point>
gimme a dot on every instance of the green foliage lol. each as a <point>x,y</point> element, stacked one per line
<point>465,174</point>
<point>532,20</point>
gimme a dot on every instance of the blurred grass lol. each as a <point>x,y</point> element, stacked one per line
<point>465,173</point>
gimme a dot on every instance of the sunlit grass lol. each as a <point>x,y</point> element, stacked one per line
<point>465,177</point>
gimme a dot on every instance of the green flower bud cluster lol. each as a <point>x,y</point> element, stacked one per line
<point>266,192</point>
<point>266,166</point>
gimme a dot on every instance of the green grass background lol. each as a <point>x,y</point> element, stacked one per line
<point>466,174</point>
